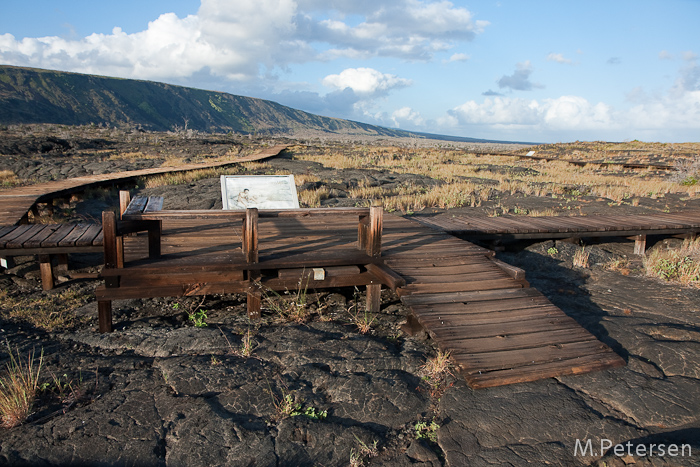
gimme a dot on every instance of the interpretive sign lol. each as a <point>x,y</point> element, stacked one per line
<point>259,191</point>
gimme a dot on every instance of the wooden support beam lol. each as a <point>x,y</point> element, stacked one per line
<point>374,298</point>
<point>155,230</point>
<point>62,266</point>
<point>411,326</point>
<point>640,244</point>
<point>104,315</point>
<point>254,297</point>
<point>513,271</point>
<point>46,272</point>
<point>386,275</point>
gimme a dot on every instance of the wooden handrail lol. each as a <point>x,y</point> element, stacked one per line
<point>240,215</point>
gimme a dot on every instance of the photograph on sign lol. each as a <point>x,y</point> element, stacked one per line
<point>259,191</point>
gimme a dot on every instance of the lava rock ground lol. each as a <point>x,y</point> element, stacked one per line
<point>159,391</point>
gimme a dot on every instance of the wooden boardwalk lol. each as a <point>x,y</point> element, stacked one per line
<point>636,226</point>
<point>16,202</point>
<point>497,329</point>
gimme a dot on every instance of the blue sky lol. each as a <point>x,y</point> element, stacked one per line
<point>541,71</point>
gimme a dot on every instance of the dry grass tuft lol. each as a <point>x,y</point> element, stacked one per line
<point>435,372</point>
<point>581,258</point>
<point>18,388</point>
<point>8,179</point>
<point>679,265</point>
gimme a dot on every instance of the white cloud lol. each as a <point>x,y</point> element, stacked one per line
<point>665,55</point>
<point>559,58</point>
<point>366,82</point>
<point>458,57</point>
<point>520,79</point>
<point>406,116</point>
<point>244,39</point>
<point>690,56</point>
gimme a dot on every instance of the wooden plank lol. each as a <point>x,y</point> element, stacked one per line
<point>477,267</point>
<point>35,232</point>
<point>507,359</point>
<point>14,233</point>
<point>459,287</point>
<point>154,204</point>
<point>39,237</point>
<point>74,235</point>
<point>493,317</point>
<point>453,278</point>
<point>136,206</point>
<point>5,229</point>
<point>485,307</point>
<point>504,329</point>
<point>88,237</point>
<point>466,297</point>
<point>532,373</point>
<point>517,341</point>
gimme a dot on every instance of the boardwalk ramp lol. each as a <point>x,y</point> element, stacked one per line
<point>498,330</point>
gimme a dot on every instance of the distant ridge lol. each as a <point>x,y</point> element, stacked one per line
<point>30,95</point>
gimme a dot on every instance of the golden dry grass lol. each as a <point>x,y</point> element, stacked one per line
<point>469,179</point>
<point>47,312</point>
<point>18,388</point>
<point>678,265</point>
<point>8,179</point>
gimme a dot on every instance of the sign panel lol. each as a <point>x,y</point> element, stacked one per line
<point>259,191</point>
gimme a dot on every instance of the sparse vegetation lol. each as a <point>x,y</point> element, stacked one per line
<point>8,179</point>
<point>18,388</point>
<point>50,311</point>
<point>427,431</point>
<point>680,265</point>
<point>436,371</point>
<point>581,258</point>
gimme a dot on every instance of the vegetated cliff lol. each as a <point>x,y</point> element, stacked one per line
<point>29,95</point>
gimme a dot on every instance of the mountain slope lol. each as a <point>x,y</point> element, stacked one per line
<point>29,95</point>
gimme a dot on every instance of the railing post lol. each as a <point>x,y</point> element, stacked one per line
<point>373,247</point>
<point>124,200</point>
<point>374,231</point>
<point>250,235</point>
<point>250,252</point>
<point>111,258</point>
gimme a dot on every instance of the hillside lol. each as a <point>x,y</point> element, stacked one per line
<point>29,95</point>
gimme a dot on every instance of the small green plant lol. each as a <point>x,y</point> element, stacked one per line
<point>293,305</point>
<point>360,317</point>
<point>18,388</point>
<point>427,431</point>
<point>195,313</point>
<point>198,318</point>
<point>552,251</point>
<point>247,344</point>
